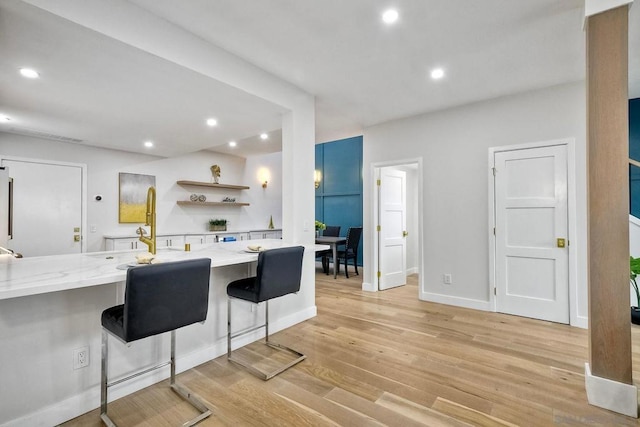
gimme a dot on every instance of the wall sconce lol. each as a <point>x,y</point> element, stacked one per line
<point>263,176</point>
<point>317,177</point>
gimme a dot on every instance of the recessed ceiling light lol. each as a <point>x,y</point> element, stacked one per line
<point>264,136</point>
<point>29,73</point>
<point>148,144</point>
<point>232,144</point>
<point>4,119</point>
<point>212,122</point>
<point>437,73</point>
<point>390,16</point>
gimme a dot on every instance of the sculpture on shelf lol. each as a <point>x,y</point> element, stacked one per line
<point>215,172</point>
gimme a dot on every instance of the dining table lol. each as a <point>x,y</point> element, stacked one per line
<point>333,243</point>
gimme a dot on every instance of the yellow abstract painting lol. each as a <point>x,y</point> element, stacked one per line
<point>133,196</point>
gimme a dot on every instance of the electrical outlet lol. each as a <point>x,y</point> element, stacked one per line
<point>81,357</point>
<point>446,278</point>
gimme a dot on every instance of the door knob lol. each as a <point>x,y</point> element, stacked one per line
<point>561,243</point>
<point>76,238</point>
<point>405,234</point>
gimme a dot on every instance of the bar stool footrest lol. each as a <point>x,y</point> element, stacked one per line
<point>268,375</point>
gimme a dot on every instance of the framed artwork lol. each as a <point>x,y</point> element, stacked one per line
<point>133,196</point>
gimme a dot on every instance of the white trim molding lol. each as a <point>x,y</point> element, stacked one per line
<point>611,395</point>
<point>475,304</point>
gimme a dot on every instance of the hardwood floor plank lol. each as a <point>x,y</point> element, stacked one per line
<point>419,413</point>
<point>475,418</point>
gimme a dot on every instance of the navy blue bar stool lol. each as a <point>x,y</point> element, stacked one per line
<point>158,298</point>
<point>278,273</point>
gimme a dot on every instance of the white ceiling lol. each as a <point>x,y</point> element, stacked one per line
<point>361,71</point>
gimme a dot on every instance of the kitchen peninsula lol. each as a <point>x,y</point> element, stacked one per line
<point>51,306</point>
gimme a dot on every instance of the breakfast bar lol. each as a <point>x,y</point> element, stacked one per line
<point>50,307</point>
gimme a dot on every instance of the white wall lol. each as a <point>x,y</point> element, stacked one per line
<point>104,165</point>
<point>453,145</point>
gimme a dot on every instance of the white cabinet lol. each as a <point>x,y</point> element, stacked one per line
<point>266,234</point>
<point>163,241</point>
<point>238,236</point>
<point>166,241</point>
<point>194,239</point>
<point>125,244</point>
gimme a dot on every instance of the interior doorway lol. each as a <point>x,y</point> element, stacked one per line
<point>530,196</point>
<point>397,240</point>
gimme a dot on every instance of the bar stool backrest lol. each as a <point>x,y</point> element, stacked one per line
<point>164,297</point>
<point>279,272</point>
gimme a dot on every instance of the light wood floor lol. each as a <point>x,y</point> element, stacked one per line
<point>387,358</point>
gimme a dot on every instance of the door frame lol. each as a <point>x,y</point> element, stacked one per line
<point>83,195</point>
<point>572,231</point>
<point>375,220</point>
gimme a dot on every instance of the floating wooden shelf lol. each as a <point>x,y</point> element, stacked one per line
<point>213,185</point>
<point>190,203</point>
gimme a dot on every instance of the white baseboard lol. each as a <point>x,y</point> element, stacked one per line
<point>611,395</point>
<point>89,399</point>
<point>581,322</point>
<point>413,270</point>
<point>369,287</point>
<point>457,301</point>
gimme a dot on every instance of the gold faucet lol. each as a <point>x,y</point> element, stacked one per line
<point>151,221</point>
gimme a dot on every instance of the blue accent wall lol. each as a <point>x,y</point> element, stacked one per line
<point>339,197</point>
<point>634,153</point>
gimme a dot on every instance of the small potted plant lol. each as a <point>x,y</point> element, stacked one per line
<point>319,226</point>
<point>217,225</point>
<point>634,265</point>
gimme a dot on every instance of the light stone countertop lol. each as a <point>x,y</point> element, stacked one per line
<point>38,275</point>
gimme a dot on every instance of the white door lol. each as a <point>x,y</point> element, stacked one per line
<point>532,276</point>
<point>393,219</point>
<point>47,208</point>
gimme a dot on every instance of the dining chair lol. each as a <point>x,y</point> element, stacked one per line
<point>331,231</point>
<point>351,250</point>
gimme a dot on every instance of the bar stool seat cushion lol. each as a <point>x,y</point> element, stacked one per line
<point>112,320</point>
<point>244,289</point>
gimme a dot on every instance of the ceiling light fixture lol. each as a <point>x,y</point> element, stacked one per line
<point>437,73</point>
<point>4,119</point>
<point>29,73</point>
<point>264,136</point>
<point>390,16</point>
<point>212,122</point>
<point>148,144</point>
<point>232,144</point>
